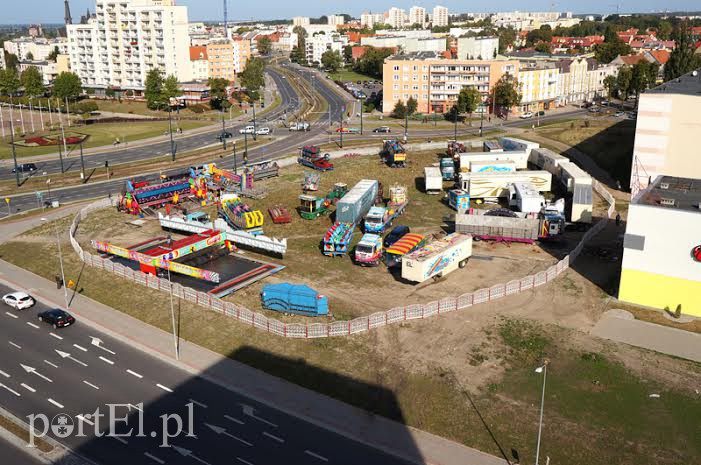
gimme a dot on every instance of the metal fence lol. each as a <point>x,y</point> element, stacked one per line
<point>338,328</point>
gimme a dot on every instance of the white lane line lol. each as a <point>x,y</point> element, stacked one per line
<point>91,385</point>
<point>79,347</point>
<point>13,344</point>
<point>56,336</point>
<point>272,436</point>
<point>133,373</point>
<point>11,314</point>
<point>122,440</point>
<point>235,420</point>
<point>11,390</point>
<point>197,403</point>
<point>246,462</point>
<point>106,360</point>
<point>33,325</point>
<point>313,454</point>
<point>50,364</point>
<point>55,403</point>
<point>164,388</point>
<point>4,374</point>
<point>28,388</point>
<point>154,458</point>
<point>81,417</point>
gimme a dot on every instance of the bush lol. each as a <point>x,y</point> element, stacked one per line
<point>197,108</point>
<point>83,107</point>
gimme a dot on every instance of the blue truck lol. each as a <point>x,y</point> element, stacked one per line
<point>294,298</point>
<point>447,169</point>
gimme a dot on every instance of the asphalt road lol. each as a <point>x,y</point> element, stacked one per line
<point>53,372</point>
<point>16,456</point>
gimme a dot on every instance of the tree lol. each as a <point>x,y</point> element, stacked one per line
<point>11,60</point>
<point>506,93</point>
<point>543,47</point>
<point>30,56</point>
<point>54,54</point>
<point>331,60</point>
<point>612,47</point>
<point>298,55</point>
<point>9,81</point>
<point>469,99</point>
<point>32,82</point>
<point>264,45</point>
<point>218,92</point>
<point>643,76</point>
<point>507,37</point>
<point>370,64</point>
<point>110,93</point>
<point>252,75</point>
<point>171,89</point>
<point>153,89</point>
<point>399,110</point>
<point>67,85</point>
<point>682,60</point>
<point>610,86</point>
<point>411,106</point>
<point>348,53</point>
<point>625,74</point>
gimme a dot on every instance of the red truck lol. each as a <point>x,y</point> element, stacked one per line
<point>311,156</point>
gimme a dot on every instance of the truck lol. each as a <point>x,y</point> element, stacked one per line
<point>393,153</point>
<point>357,202</point>
<point>368,252</point>
<point>493,166</point>
<point>294,298</point>
<point>312,207</point>
<point>438,258</point>
<point>504,225</point>
<point>494,185</point>
<point>239,215</point>
<point>458,199</point>
<point>525,198</point>
<point>433,180</point>
<point>379,218</point>
<point>337,239</point>
<point>407,244</point>
<point>310,156</point>
<point>447,169</point>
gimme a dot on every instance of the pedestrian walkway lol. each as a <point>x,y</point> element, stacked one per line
<point>621,326</point>
<point>392,437</point>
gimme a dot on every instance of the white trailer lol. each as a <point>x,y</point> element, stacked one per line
<point>433,180</point>
<point>519,158</point>
<point>438,258</point>
<point>579,184</point>
<point>546,159</point>
<point>525,197</point>
<point>497,166</point>
<point>494,185</point>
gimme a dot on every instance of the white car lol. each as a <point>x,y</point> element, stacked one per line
<point>18,300</point>
<point>263,131</point>
<point>526,115</point>
<point>247,130</point>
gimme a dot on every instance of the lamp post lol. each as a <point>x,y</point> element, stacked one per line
<point>235,167</point>
<point>361,116</point>
<point>541,369</point>
<point>170,131</point>
<point>172,317</point>
<point>60,261</point>
<point>406,126</point>
<point>341,129</point>
<point>14,149</point>
<point>31,117</point>
<point>223,130</point>
<point>255,129</point>
<point>82,163</point>
<point>455,124</point>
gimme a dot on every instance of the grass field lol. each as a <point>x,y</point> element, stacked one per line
<point>104,134</point>
<point>349,75</point>
<point>139,108</point>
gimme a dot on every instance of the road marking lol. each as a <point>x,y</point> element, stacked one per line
<point>106,360</point>
<point>133,373</point>
<point>154,458</point>
<point>33,325</point>
<point>67,355</point>
<point>81,417</point>
<point>79,347</point>
<point>28,388</point>
<point>97,342</point>
<point>56,336</point>
<point>55,403</point>
<point>235,420</point>
<point>91,385</point>
<point>11,314</point>
<point>13,344</point>
<point>11,390</point>
<point>243,461</point>
<point>51,364</point>
<point>122,440</point>
<point>250,411</point>
<point>4,374</point>
<point>313,454</point>
<point>34,371</point>
<point>198,403</point>
<point>271,436</point>
<point>164,388</point>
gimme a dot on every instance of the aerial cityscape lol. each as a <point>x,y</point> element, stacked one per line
<point>379,233</point>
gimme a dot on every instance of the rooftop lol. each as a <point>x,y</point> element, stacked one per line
<point>688,84</point>
<point>672,193</point>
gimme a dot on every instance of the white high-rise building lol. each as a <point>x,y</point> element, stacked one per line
<point>302,21</point>
<point>128,38</point>
<point>396,17</point>
<point>417,15</point>
<point>367,20</point>
<point>440,16</point>
<point>336,20</point>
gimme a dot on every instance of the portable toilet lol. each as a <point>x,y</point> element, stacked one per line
<point>294,298</point>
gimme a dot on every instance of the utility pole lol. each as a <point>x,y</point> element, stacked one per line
<point>235,167</point>
<point>455,125</point>
<point>341,129</point>
<point>68,113</point>
<point>406,126</point>
<point>361,117</point>
<point>60,155</point>
<point>481,119</point>
<point>255,128</point>
<point>223,129</point>
<point>543,369</point>
<point>2,122</point>
<point>14,149</point>
<point>82,163</point>
<point>30,114</point>
<point>170,131</point>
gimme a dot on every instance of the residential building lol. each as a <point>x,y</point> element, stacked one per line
<point>242,52</point>
<point>661,265</point>
<point>220,56</point>
<point>47,69</point>
<point>369,20</point>
<point>666,132</point>
<point>538,86</point>
<point>302,21</point>
<point>396,18</point>
<point>335,20</point>
<point>35,30</point>
<point>436,82</point>
<point>583,43</point>
<point>406,44</point>
<point>317,44</point>
<point>126,39</point>
<point>478,48</point>
<point>440,17</point>
<point>573,82</point>
<point>2,60</point>
<point>38,49</point>
<point>199,63</point>
<point>63,64</point>
<point>359,51</point>
<point>417,15</point>
<point>192,93</point>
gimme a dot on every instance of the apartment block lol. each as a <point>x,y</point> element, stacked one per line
<point>478,48</point>
<point>406,44</point>
<point>440,17</point>
<point>396,17</point>
<point>302,21</point>
<point>199,63</point>
<point>38,48</point>
<point>369,20</point>
<point>538,86</point>
<point>220,55</point>
<point>125,39</point>
<point>47,69</point>
<point>335,20</point>
<point>417,15</point>
<point>436,82</point>
<point>317,44</point>
<point>242,53</point>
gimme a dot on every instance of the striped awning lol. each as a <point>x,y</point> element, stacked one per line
<point>405,244</point>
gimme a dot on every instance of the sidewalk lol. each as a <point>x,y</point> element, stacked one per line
<point>375,431</point>
<point>621,326</point>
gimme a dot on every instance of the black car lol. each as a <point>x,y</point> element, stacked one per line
<point>382,129</point>
<point>25,168</point>
<point>57,318</point>
<point>225,135</point>
<point>395,235</point>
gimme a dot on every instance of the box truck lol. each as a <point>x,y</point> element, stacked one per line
<point>494,185</point>
<point>433,180</point>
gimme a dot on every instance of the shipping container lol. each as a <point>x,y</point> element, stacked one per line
<point>355,204</point>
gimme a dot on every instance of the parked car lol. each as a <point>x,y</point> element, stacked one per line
<point>541,113</point>
<point>382,129</point>
<point>25,168</point>
<point>225,135</point>
<point>395,235</point>
<point>619,114</point>
<point>264,131</point>
<point>57,318</point>
<point>18,300</point>
<point>247,130</point>
<point>594,110</point>
<point>526,115</point>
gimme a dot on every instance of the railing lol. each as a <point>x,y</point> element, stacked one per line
<point>339,328</point>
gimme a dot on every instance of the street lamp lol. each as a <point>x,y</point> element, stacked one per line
<point>541,369</point>
<point>60,257</point>
<point>172,317</point>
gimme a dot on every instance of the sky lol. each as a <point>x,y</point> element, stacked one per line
<point>51,11</point>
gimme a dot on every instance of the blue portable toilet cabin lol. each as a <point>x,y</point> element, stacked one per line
<point>294,298</point>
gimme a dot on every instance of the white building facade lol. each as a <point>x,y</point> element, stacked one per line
<point>478,48</point>
<point>417,15</point>
<point>440,16</point>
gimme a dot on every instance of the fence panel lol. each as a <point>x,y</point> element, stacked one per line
<point>358,325</point>
<point>152,281</point>
<point>217,305</point>
<point>513,287</point>
<point>480,296</point>
<point>276,327</point>
<point>230,310</point>
<point>260,321</point>
<point>295,330</point>
<point>395,315</point>
<point>466,300</point>
<point>540,279</point>
<point>430,309</point>
<point>190,295</point>
<point>245,315</point>
<point>413,311</point>
<point>315,330</point>
<point>497,292</point>
<point>447,304</point>
<point>339,328</point>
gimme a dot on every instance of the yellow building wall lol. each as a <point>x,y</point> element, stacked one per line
<point>659,291</point>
